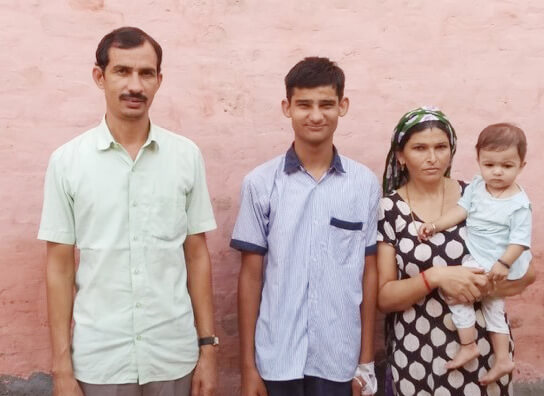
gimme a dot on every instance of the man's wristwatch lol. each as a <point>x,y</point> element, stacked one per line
<point>213,340</point>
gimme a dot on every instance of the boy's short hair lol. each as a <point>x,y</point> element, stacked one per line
<point>312,72</point>
<point>498,137</point>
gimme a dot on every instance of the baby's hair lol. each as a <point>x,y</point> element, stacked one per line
<point>498,137</point>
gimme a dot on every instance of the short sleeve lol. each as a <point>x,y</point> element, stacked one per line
<point>386,223</point>
<point>372,228</point>
<point>468,193</point>
<point>520,227</point>
<point>197,205</point>
<point>251,227</point>
<point>57,222</point>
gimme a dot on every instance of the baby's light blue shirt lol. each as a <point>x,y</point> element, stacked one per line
<point>494,223</point>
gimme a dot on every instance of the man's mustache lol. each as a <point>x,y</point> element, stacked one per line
<point>137,96</point>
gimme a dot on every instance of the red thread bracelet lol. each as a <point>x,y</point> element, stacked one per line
<point>426,281</point>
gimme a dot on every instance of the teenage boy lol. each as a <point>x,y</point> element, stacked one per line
<point>307,233</point>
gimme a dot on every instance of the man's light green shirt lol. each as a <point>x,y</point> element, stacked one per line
<point>133,316</point>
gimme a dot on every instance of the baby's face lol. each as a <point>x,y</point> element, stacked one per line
<point>500,169</point>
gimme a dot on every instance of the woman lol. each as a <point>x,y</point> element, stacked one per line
<point>417,279</point>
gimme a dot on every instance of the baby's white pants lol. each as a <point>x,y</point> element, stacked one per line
<point>463,315</point>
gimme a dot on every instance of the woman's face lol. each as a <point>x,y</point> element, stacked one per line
<point>426,155</point>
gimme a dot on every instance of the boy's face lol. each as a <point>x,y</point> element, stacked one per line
<point>314,113</point>
<point>499,169</point>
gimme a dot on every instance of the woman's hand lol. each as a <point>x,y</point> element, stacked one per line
<point>395,295</point>
<point>462,284</point>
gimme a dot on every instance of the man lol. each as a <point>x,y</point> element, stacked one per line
<point>133,198</point>
<point>307,232</point>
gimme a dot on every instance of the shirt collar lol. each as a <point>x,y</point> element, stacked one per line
<point>292,162</point>
<point>105,139</point>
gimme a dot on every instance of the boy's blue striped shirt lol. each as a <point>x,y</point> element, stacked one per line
<point>314,236</point>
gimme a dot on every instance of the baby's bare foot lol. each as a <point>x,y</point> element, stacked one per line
<point>464,355</point>
<point>499,369</point>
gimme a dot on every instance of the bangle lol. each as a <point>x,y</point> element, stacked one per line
<point>434,228</point>
<point>504,263</point>
<point>426,281</point>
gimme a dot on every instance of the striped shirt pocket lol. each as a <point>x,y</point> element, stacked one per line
<point>344,238</point>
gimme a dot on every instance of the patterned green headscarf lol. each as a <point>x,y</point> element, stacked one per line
<point>393,175</point>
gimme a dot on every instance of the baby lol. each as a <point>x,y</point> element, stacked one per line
<point>498,214</point>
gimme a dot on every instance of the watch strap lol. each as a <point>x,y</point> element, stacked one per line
<point>213,340</point>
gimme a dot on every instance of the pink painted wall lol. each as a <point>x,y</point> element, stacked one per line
<point>224,65</point>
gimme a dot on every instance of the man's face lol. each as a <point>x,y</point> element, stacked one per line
<point>314,113</point>
<point>130,81</point>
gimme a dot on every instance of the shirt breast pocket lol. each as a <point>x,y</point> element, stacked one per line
<point>167,218</point>
<point>345,241</point>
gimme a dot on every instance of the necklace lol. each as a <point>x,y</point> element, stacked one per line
<point>441,206</point>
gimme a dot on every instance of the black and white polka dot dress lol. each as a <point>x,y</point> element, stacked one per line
<point>420,340</point>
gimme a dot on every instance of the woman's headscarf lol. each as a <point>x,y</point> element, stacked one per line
<point>394,176</point>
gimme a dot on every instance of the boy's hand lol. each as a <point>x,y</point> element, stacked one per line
<point>426,230</point>
<point>498,272</point>
<point>365,380</point>
<point>252,383</point>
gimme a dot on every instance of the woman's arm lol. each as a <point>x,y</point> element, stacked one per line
<point>399,295</point>
<point>395,295</point>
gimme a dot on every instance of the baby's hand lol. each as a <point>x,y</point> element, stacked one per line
<point>498,272</point>
<point>426,230</point>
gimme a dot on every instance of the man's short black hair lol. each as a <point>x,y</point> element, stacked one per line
<point>125,38</point>
<point>315,72</point>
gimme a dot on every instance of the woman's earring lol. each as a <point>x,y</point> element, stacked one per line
<point>402,166</point>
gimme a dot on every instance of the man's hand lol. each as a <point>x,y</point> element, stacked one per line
<point>66,385</point>
<point>199,285</point>
<point>252,383</point>
<point>60,276</point>
<point>204,381</point>
<point>498,272</point>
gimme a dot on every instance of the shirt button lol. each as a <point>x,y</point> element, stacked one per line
<point>134,238</point>
<point>138,337</point>
<point>138,305</point>
<point>136,272</point>
<point>134,204</point>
